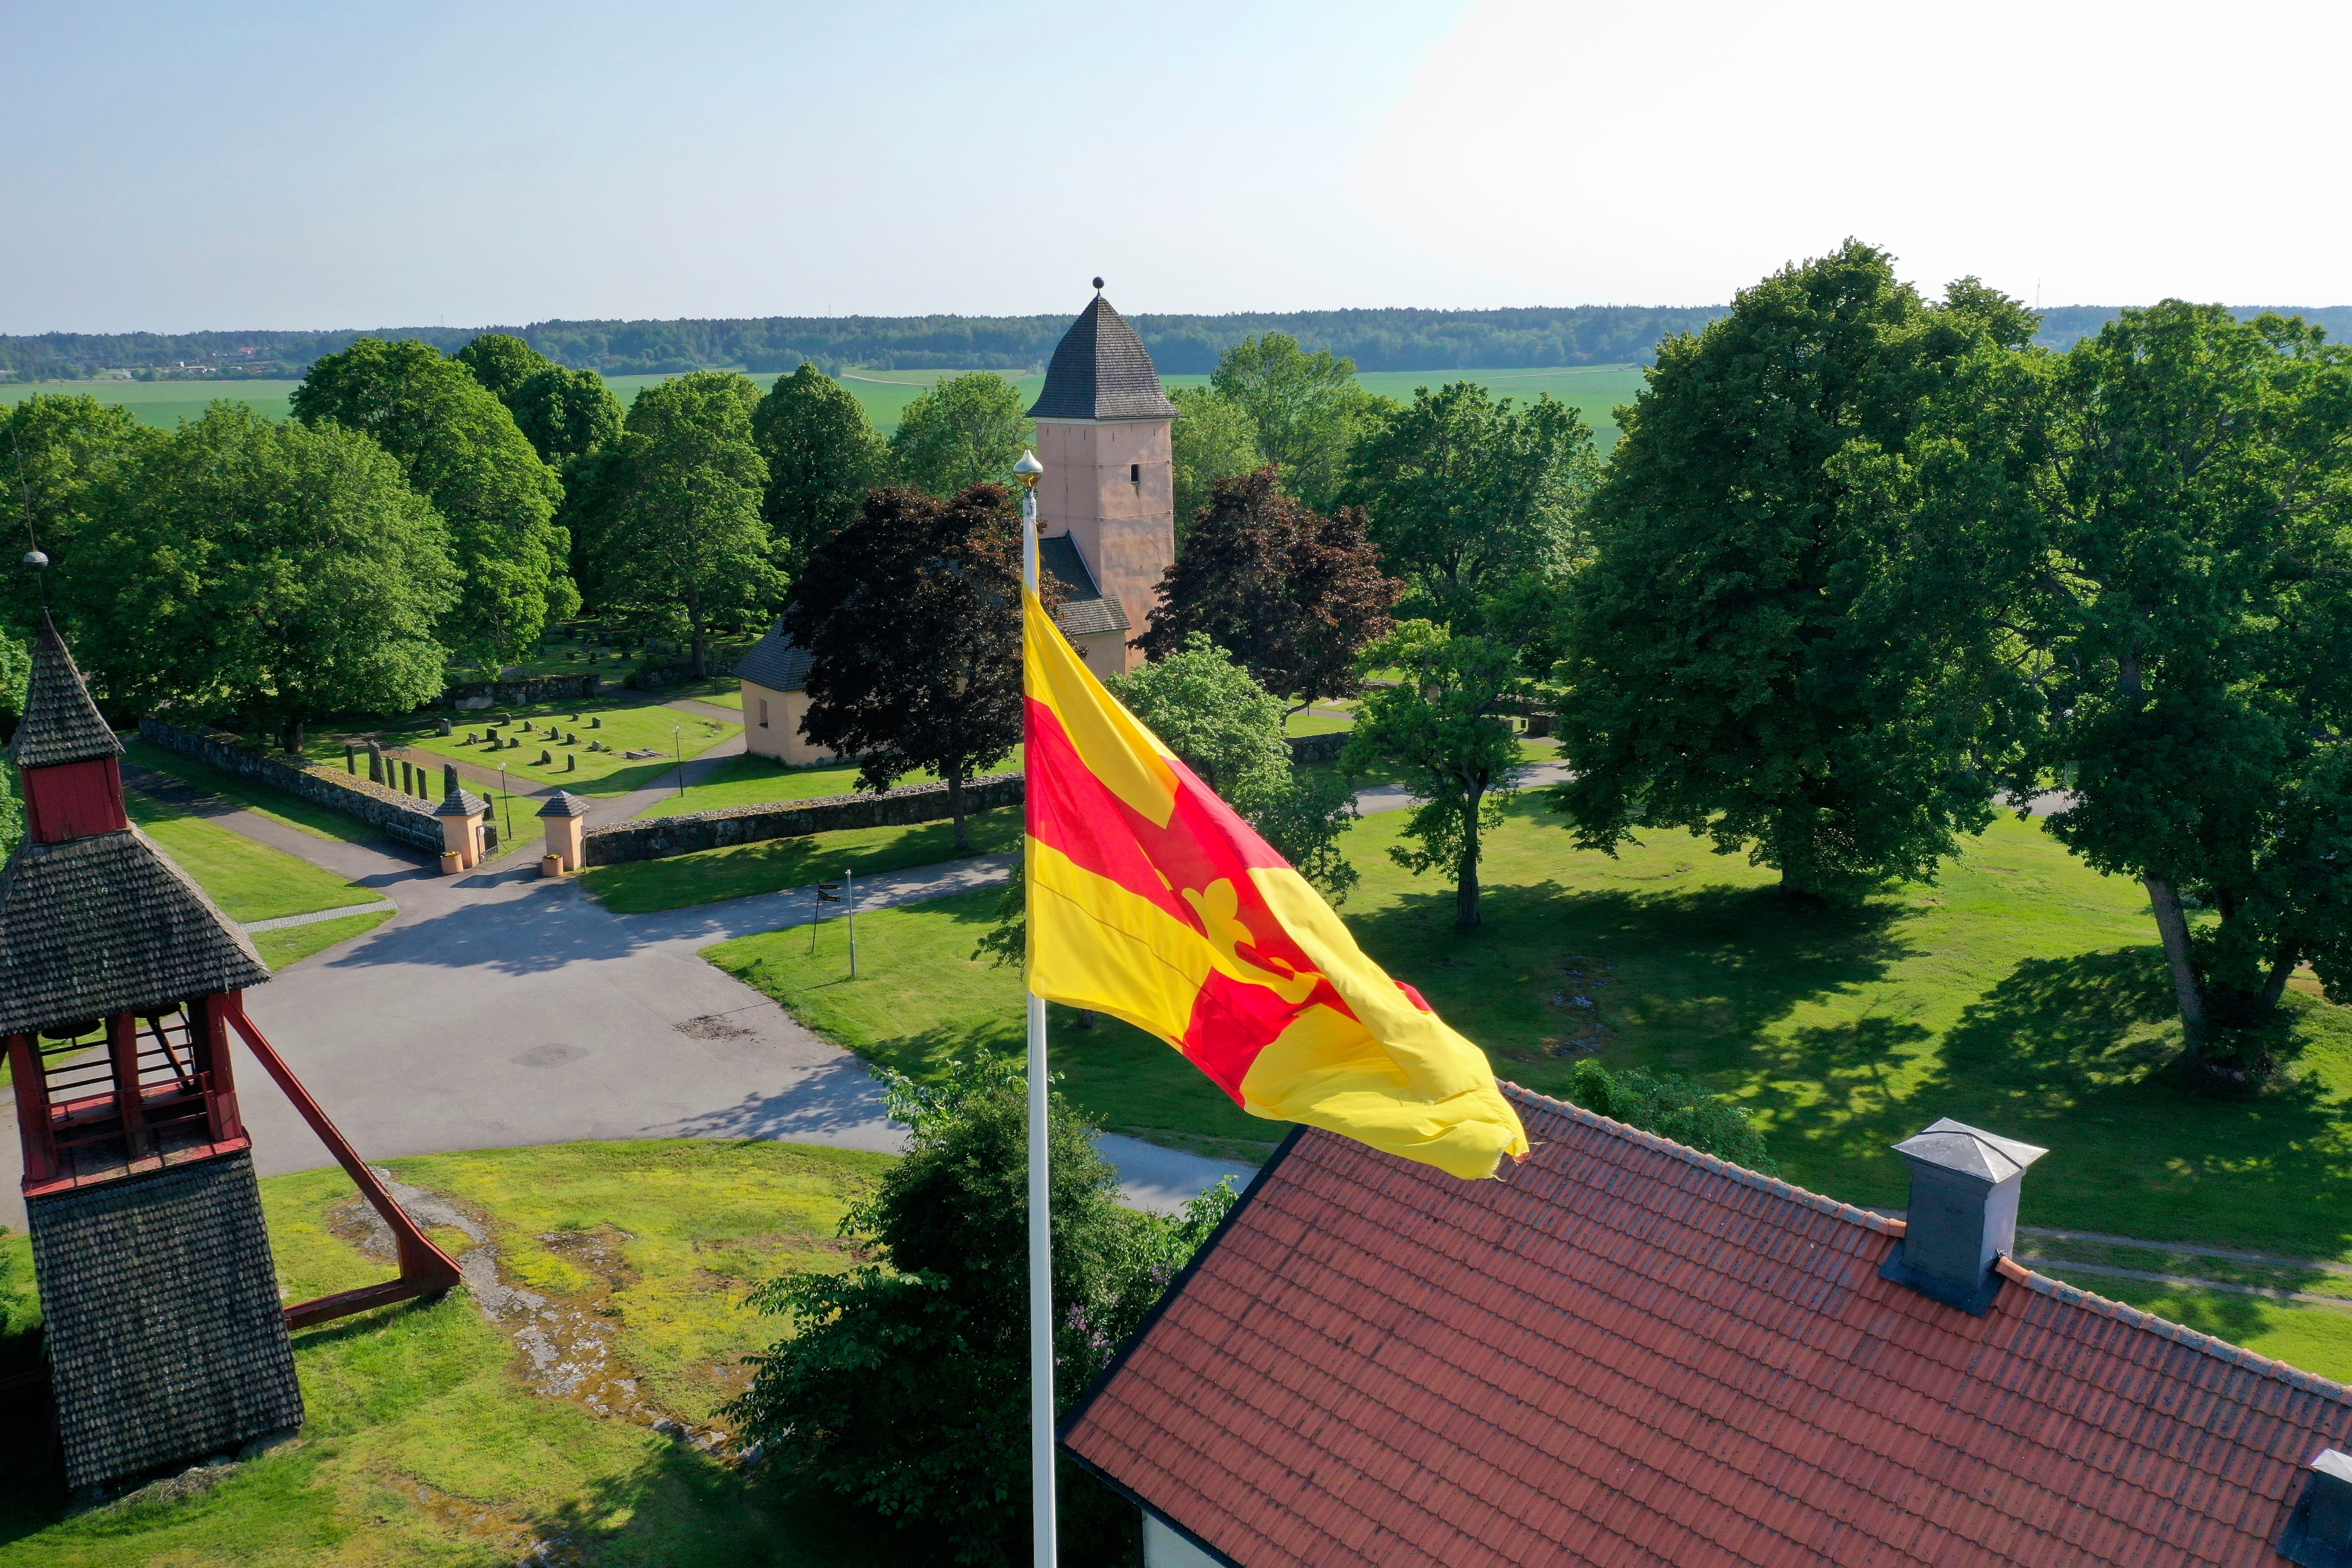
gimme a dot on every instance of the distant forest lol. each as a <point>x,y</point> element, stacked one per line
<point>1376,340</point>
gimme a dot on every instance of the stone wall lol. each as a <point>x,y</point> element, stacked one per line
<point>1306,749</point>
<point>658,838</point>
<point>397,816</point>
<point>479,695</point>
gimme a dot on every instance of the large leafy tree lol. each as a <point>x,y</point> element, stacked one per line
<point>966,431</point>
<point>283,571</point>
<point>460,448</point>
<point>1293,596</point>
<point>1210,711</point>
<point>1211,439</point>
<point>565,414</point>
<point>2188,480</point>
<point>1445,724</point>
<point>1468,494</point>
<point>912,618</point>
<point>667,524</point>
<point>1306,407</point>
<point>823,455</point>
<point>903,1386</point>
<point>1761,652</point>
<point>502,362</point>
<point>59,453</point>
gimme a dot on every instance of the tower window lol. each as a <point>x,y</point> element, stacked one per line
<point>1135,473</point>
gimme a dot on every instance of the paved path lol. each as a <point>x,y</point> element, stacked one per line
<point>499,1009</point>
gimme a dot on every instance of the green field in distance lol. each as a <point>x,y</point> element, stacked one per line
<point>1593,390</point>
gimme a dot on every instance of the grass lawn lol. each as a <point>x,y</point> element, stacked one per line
<point>758,781</point>
<point>250,881</point>
<point>631,726</point>
<point>740,870</point>
<point>290,945</point>
<point>423,1443</point>
<point>921,1000</point>
<point>1316,722</point>
<point>2022,993</point>
<point>275,804</point>
<point>733,699</point>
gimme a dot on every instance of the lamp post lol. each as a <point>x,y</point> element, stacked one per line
<point>678,746</point>
<point>1027,472</point>
<point>506,803</point>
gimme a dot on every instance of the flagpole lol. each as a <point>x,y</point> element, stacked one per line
<point>1041,1232</point>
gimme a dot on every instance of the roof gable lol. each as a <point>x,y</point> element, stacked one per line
<point>109,924</point>
<point>1627,1351</point>
<point>1100,370</point>
<point>61,724</point>
<point>1085,610</point>
<point>775,662</point>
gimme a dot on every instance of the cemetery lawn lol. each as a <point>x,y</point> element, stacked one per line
<point>632,726</point>
<point>738,870</point>
<point>2022,993</point>
<point>423,1443</point>
<point>756,781</point>
<point>920,1000</point>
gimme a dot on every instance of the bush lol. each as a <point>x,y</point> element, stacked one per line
<point>1675,1108</point>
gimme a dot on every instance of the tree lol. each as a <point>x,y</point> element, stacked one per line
<point>1443,723</point>
<point>1228,728</point>
<point>669,527</point>
<point>823,455</point>
<point>1758,651</point>
<point>58,455</point>
<point>1295,596</point>
<point>904,1385</point>
<point>502,362</point>
<point>1672,1107</point>
<point>912,619</point>
<point>1211,439</point>
<point>1467,495</point>
<point>461,449</point>
<point>967,430</point>
<point>565,414</point>
<point>1307,410</point>
<point>2188,480</point>
<point>283,571</point>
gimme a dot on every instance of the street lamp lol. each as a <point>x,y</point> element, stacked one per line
<point>677,745</point>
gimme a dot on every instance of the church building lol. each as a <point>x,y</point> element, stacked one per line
<point>1106,516</point>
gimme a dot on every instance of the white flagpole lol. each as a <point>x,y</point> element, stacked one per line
<point>1041,1230</point>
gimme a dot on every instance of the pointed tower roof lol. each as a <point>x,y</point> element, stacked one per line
<point>1100,370</point>
<point>61,724</point>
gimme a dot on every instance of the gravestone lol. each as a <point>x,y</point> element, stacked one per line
<point>350,759</point>
<point>375,762</point>
<point>445,729</point>
<point>597,722</point>
<point>571,762</point>
<point>544,760</point>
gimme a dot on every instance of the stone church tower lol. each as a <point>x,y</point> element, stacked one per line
<point>1107,505</point>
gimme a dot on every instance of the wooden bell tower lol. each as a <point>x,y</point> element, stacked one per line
<point>120,986</point>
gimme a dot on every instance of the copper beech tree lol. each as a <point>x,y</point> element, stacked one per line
<point>911,615</point>
<point>1295,596</point>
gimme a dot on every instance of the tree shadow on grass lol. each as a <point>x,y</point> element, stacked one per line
<point>2076,1054</point>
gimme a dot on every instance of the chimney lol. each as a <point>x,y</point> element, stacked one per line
<point>1963,1212</point>
<point>2318,1533</point>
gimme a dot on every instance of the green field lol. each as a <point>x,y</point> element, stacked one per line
<point>756,781</point>
<point>632,725</point>
<point>251,882</point>
<point>739,870</point>
<point>2022,993</point>
<point>1593,390</point>
<point>423,1442</point>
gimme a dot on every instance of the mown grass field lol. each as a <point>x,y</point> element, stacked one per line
<point>426,1444</point>
<point>2022,993</point>
<point>756,781</point>
<point>632,725</point>
<point>251,882</point>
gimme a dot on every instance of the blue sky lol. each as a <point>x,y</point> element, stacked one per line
<point>305,165</point>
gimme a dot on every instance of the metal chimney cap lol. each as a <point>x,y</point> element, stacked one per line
<point>1969,1151</point>
<point>2334,1465</point>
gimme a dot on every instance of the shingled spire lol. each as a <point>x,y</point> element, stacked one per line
<point>61,724</point>
<point>1101,370</point>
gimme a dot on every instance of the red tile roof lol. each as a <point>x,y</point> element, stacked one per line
<point>1627,1353</point>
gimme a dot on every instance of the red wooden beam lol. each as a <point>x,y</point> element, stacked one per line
<point>123,1048</point>
<point>424,1269</point>
<point>33,1129</point>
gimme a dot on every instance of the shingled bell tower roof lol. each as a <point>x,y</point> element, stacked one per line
<point>61,723</point>
<point>1101,370</point>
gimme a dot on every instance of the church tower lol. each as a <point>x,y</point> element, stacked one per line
<point>1107,505</point>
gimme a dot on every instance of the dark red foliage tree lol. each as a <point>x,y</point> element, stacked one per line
<point>1295,596</point>
<point>911,615</point>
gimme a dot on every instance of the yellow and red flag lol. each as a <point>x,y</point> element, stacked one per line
<point>1151,900</point>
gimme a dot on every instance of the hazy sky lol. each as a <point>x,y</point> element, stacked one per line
<point>171,166</point>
